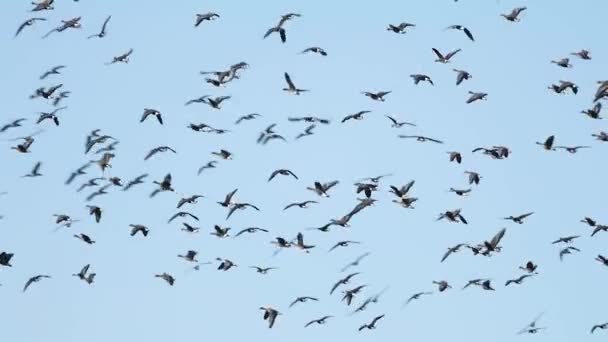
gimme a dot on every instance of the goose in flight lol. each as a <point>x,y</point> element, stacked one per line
<point>530,267</point>
<point>572,149</point>
<point>518,219</point>
<point>247,117</point>
<point>164,185</point>
<point>188,200</point>
<point>566,239</point>
<point>46,93</point>
<point>50,116</point>
<point>399,28</point>
<point>452,216</point>
<point>461,192</point>
<point>603,326</point>
<point>567,250</point>
<point>476,96</point>
<point>200,18</point>
<point>137,180</point>
<point>466,31</point>
<point>291,88</point>
<point>166,277</point>
<point>322,189</point>
<point>66,24</point>
<point>319,321</point>
<point>228,202</point>
<point>189,229</point>
<point>301,245</point>
<point>84,238</point>
<point>378,96</point>
<point>13,124</point>
<point>355,116</point>
<point>601,136</point>
<point>417,296</point>
<point>399,124</point>
<point>220,232</point>
<point>308,131</point>
<point>95,211</point>
<point>101,33</point>
<point>52,71</point>
<point>532,327</point>
<point>519,280</point>
<point>345,243</point>
<point>564,62</point>
<point>420,138</point>
<point>452,250</point>
<point>240,206</point>
<point>356,262</point>
<point>224,154</point>
<point>182,214</point>
<point>43,5</point>
<point>34,279</point>
<point>349,295</point>
<point>314,49</point>
<point>582,54</point>
<point>216,102</point>
<point>35,172</point>
<point>209,165</point>
<point>514,15</point>
<point>28,22</point>
<point>442,285</point>
<point>444,59</point>
<point>280,30</point>
<point>548,143</point>
<point>371,325</point>
<point>303,299</point>
<point>455,156</point>
<point>594,112</point>
<point>282,172</point>
<point>84,275</point>
<point>159,149</point>
<point>270,315</point>
<point>262,270</point>
<point>302,205</point>
<point>251,230</point>
<point>461,75</point>
<point>124,58</point>
<point>151,112</point>
<point>225,264</point>
<point>563,86</point>
<point>138,228</point>
<point>421,78</point>
<point>5,259</point>
<point>24,147</point>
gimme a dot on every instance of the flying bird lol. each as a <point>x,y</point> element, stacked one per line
<point>28,22</point>
<point>101,33</point>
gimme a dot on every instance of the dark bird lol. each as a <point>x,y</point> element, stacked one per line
<point>322,189</point>
<point>251,230</point>
<point>518,219</point>
<point>262,270</point>
<point>189,256</point>
<point>476,96</point>
<point>460,192</point>
<point>400,28</point>
<point>85,238</point>
<point>188,200</point>
<point>137,180</point>
<point>247,117</point>
<point>225,264</point>
<point>492,245</point>
<point>452,250</point>
<point>309,119</point>
<point>153,112</point>
<point>283,172</point>
<point>519,280</point>
<point>270,315</point>
<point>461,76</point>
<point>240,206</point>
<point>224,154</point>
<point>601,136</point>
<point>548,143</point>
<point>29,22</point>
<point>280,30</point>
<point>379,96</point>
<point>166,277</point>
<point>138,228</point>
<point>567,250</point>
<point>594,112</point>
<point>43,5</point>
<point>417,296</point>
<point>220,232</point>
<point>564,62</point>
<point>85,275</point>
<point>315,49</point>
<point>209,165</point>
<point>345,243</point>
<point>514,15</point>
<point>455,156</point>
<point>14,124</point>
<point>303,300</point>
<point>356,262</point>
<point>96,211</point>
<point>530,267</point>
<point>182,214</point>
<point>398,124</point>
<point>66,24</point>
<point>532,328</point>
<point>571,149</point>
<point>101,33</point>
<point>202,99</point>
<point>321,320</point>
<point>302,205</point>
<point>228,202</point>
<point>291,88</point>
<point>420,138</point>
<point>453,216</point>
<point>582,54</point>
<point>158,150</point>
<point>463,29</point>
<point>566,239</point>
<point>34,279</point>
<point>442,285</point>
<point>603,326</point>
<point>35,171</point>
<point>372,324</point>
<point>79,172</point>
<point>5,259</point>
<point>349,295</point>
<point>308,131</point>
<point>444,59</point>
<point>205,17</point>
<point>599,258</point>
<point>356,116</point>
<point>46,93</point>
<point>124,58</point>
<point>189,229</point>
<point>164,185</point>
<point>420,78</point>
<point>50,116</point>
<point>53,71</point>
<point>215,102</point>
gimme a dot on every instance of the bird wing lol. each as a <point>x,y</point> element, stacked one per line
<point>289,82</point>
<point>105,24</point>
<point>438,53</point>
<point>451,54</point>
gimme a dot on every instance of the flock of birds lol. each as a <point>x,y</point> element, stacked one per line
<point>100,148</point>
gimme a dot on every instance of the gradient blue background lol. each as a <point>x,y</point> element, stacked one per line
<point>510,61</point>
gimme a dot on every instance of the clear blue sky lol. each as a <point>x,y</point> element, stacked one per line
<point>509,61</point>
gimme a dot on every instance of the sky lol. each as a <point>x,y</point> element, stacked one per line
<point>509,61</point>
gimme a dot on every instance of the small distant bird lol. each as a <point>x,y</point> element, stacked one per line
<point>283,172</point>
<point>345,243</point>
<point>85,238</point>
<point>398,124</point>
<point>50,116</point>
<point>216,102</point>
<point>43,5</point>
<point>101,33</point>
<point>356,262</point>
<point>278,29</point>
<point>302,300</point>
<point>603,326</point>
<point>594,112</point>
<point>153,112</point>
<point>5,259</point>
<point>13,124</point>
<point>53,71</point>
<point>225,264</point>
<point>442,285</point>
<point>572,149</point>
<point>205,17</point>
<point>34,279</point>
<point>566,239</point>
<point>308,131</point>
<point>35,171</point>
<point>85,275</point>
<point>262,270</point>
<point>220,232</point>
<point>355,116</point>
<point>518,219</point>
<point>189,256</point>
<point>66,24</point>
<point>321,320</point>
<point>463,29</point>
<point>417,296</point>
<point>421,77</point>
<point>379,96</point>
<point>166,277</point>
<point>372,324</point>
<point>564,62</point>
<point>164,185</point>
<point>532,328</point>
<point>138,228</point>
<point>453,216</point>
<point>444,59</point>
<point>138,180</point>
<point>460,192</point>
<point>247,117</point>
<point>567,250</point>
<point>124,58</point>
<point>455,156</point>
<point>224,154</point>
<point>190,229</point>
<point>240,206</point>
<point>601,136</point>
<point>582,54</point>
<point>270,315</point>
<point>96,211</point>
<point>514,15</point>
<point>209,165</point>
<point>251,230</point>
<point>452,250</point>
<point>476,96</point>
<point>228,202</point>
<point>314,49</point>
<point>188,200</point>
<point>46,93</point>
<point>519,280</point>
<point>548,143</point>
<point>28,22</point>
<point>182,214</point>
<point>530,267</point>
<point>400,28</point>
<point>461,76</point>
<point>291,88</point>
<point>302,205</point>
<point>158,149</point>
<point>420,138</point>
<point>322,189</point>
